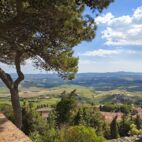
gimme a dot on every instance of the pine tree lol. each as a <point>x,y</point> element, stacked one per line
<point>44,31</point>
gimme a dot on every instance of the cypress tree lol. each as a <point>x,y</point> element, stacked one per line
<point>77,118</point>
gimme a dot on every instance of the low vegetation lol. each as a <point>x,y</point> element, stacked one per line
<point>69,119</point>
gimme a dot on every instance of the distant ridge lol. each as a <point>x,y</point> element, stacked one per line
<point>130,81</point>
<point>118,72</point>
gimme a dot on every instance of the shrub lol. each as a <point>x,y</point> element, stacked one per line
<point>134,130</point>
<point>81,133</point>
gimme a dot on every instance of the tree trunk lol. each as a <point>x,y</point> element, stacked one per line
<point>16,107</point>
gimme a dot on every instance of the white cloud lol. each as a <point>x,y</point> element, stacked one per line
<point>101,53</point>
<point>124,30</point>
<point>106,53</point>
<point>138,13</point>
<point>104,19</point>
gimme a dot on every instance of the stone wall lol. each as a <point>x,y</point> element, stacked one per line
<point>10,133</point>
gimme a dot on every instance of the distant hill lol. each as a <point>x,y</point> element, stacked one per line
<point>118,87</point>
<point>99,81</point>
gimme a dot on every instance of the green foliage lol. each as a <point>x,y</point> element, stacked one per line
<point>124,108</point>
<point>65,109</point>
<point>90,117</point>
<point>33,123</point>
<point>66,115</point>
<point>106,131</point>
<point>46,31</point>
<point>36,137</point>
<point>27,120</point>
<point>6,109</point>
<point>96,121</point>
<point>134,130</point>
<point>96,4</point>
<point>44,133</point>
<point>81,134</point>
<point>50,135</point>
<point>124,126</point>
<point>130,126</point>
<point>114,129</point>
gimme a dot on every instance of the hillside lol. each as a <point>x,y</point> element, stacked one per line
<point>115,87</point>
<point>85,94</point>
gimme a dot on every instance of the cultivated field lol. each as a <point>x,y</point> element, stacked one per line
<point>53,95</point>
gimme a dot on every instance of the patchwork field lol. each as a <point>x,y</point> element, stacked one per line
<point>87,94</point>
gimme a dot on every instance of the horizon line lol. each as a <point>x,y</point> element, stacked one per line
<point>82,72</point>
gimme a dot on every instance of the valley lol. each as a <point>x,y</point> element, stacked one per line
<point>97,88</point>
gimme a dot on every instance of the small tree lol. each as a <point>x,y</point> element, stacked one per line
<point>65,109</point>
<point>114,129</point>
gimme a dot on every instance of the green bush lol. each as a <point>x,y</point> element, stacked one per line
<point>36,137</point>
<point>134,130</point>
<point>125,108</point>
<point>81,133</point>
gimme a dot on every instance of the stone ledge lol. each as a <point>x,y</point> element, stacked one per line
<point>10,133</point>
<point>128,139</point>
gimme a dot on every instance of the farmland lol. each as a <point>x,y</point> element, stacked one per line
<point>88,95</point>
<point>96,88</point>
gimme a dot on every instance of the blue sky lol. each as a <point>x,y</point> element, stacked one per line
<point>118,42</point>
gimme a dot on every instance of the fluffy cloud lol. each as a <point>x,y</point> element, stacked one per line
<point>124,30</point>
<point>104,19</point>
<point>101,53</point>
<point>138,13</point>
<point>106,53</point>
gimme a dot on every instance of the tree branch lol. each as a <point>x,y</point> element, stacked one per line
<point>6,78</point>
<point>18,69</point>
